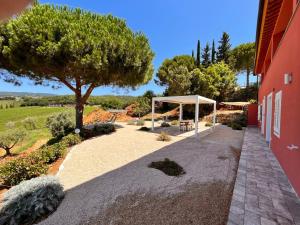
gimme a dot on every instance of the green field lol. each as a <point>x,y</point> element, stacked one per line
<point>40,114</point>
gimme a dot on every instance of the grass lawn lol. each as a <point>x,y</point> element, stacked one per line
<point>40,114</point>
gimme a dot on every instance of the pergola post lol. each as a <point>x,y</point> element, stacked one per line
<point>180,112</point>
<point>214,116</point>
<point>153,111</point>
<point>196,115</point>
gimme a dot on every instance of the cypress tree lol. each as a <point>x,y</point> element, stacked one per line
<point>198,60</point>
<point>224,48</point>
<point>206,56</point>
<point>193,54</point>
<point>213,53</point>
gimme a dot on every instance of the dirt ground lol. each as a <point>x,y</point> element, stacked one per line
<point>108,181</point>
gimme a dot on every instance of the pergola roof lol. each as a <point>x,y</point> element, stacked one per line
<point>189,99</point>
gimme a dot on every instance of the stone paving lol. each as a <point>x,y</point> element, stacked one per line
<point>262,193</point>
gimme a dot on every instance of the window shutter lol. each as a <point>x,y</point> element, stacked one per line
<point>277,113</point>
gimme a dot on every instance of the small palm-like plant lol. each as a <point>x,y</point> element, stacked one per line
<point>31,200</point>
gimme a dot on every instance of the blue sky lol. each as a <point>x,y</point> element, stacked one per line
<point>173,28</point>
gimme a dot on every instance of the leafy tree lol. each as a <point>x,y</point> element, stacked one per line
<point>9,139</point>
<point>142,106</point>
<point>224,48</point>
<point>198,57</point>
<point>242,59</point>
<point>78,49</point>
<point>149,94</point>
<point>203,84</point>
<point>213,53</point>
<point>176,75</point>
<point>206,56</point>
<point>224,80</point>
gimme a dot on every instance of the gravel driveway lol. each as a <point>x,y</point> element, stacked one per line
<point>99,171</point>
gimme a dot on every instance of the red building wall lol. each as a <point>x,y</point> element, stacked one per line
<point>286,60</point>
<point>252,115</point>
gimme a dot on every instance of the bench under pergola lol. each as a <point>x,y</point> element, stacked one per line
<point>185,100</point>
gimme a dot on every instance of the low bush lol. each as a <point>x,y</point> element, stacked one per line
<point>175,123</point>
<point>49,154</point>
<point>131,122</point>
<point>71,139</point>
<point>145,129</point>
<point>20,169</point>
<point>165,124</point>
<point>167,166</point>
<point>29,123</point>
<point>60,124</point>
<point>10,125</point>
<point>164,136</point>
<point>31,200</point>
<point>140,123</point>
<point>236,126</point>
<point>104,128</point>
<point>208,124</point>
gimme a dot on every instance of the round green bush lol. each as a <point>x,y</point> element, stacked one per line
<point>71,139</point>
<point>145,129</point>
<point>165,124</point>
<point>60,124</point>
<point>31,200</point>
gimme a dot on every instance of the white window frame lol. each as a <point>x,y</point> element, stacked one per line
<point>277,113</point>
<point>259,112</point>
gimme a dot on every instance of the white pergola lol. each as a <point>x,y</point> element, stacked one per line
<point>186,100</point>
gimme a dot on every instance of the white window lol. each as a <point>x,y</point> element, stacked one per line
<point>277,113</point>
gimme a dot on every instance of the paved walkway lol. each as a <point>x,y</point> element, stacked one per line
<point>262,193</point>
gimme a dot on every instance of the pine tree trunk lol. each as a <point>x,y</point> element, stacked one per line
<point>248,77</point>
<point>79,110</point>
<point>7,150</point>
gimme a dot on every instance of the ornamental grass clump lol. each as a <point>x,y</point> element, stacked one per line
<point>31,200</point>
<point>140,123</point>
<point>164,136</point>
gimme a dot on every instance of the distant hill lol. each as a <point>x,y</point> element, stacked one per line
<point>22,94</point>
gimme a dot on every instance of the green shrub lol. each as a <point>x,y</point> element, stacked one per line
<point>60,124</point>
<point>71,139</point>
<point>31,200</point>
<point>145,129</point>
<point>140,123</point>
<point>131,122</point>
<point>208,124</point>
<point>164,136</point>
<point>236,126</point>
<point>98,129</point>
<point>17,170</point>
<point>29,123</point>
<point>174,122</point>
<point>165,124</point>
<point>49,154</point>
<point>167,166</point>
<point>10,125</point>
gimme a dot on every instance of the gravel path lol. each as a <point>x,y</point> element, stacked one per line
<point>100,170</point>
